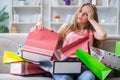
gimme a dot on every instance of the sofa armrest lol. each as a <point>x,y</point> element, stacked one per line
<point>110,42</point>
<point>9,42</point>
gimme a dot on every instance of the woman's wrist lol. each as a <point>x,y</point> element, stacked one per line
<point>91,20</point>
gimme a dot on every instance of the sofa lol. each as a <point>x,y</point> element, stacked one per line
<point>10,42</point>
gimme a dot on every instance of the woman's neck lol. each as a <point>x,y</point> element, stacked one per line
<point>81,26</point>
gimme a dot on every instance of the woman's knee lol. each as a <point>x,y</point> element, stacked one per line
<point>86,75</point>
<point>62,77</point>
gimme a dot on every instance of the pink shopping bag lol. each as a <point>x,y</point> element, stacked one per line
<point>67,50</point>
<point>40,45</point>
<point>25,68</point>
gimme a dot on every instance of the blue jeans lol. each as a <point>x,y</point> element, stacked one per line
<point>86,74</point>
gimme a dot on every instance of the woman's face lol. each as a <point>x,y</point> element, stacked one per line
<point>82,18</point>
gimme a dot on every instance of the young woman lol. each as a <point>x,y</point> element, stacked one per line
<point>85,22</point>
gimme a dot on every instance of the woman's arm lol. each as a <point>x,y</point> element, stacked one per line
<point>99,32</point>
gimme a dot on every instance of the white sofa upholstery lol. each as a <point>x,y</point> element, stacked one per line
<point>10,42</point>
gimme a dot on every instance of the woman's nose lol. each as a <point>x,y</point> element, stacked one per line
<point>81,14</point>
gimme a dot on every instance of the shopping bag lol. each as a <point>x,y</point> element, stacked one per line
<point>99,69</point>
<point>110,59</point>
<point>40,45</point>
<point>67,67</point>
<point>60,67</point>
<point>10,56</point>
<point>69,49</point>
<point>117,48</point>
<point>25,68</point>
<point>116,73</point>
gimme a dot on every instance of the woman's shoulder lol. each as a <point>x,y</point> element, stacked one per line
<point>63,27</point>
<point>66,24</point>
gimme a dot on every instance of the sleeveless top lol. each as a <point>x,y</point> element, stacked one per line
<point>75,35</point>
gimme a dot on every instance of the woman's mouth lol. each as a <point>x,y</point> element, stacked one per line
<point>79,18</point>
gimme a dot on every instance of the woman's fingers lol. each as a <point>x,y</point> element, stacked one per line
<point>90,12</point>
<point>39,26</point>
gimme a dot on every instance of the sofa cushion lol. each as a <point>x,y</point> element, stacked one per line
<point>9,42</point>
<point>29,77</point>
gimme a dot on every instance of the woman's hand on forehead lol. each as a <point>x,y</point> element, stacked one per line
<point>89,11</point>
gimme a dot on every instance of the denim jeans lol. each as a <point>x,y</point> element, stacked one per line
<point>86,74</point>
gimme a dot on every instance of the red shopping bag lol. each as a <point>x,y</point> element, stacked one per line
<point>67,50</point>
<point>25,68</point>
<point>40,45</point>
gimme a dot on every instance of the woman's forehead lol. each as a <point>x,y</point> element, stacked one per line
<point>83,8</point>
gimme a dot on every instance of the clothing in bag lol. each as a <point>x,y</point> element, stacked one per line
<point>19,51</point>
<point>99,69</point>
<point>110,59</point>
<point>40,45</point>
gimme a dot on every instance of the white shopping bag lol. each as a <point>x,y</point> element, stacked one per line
<point>110,59</point>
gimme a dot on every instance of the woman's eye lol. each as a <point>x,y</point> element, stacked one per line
<point>86,14</point>
<point>80,11</point>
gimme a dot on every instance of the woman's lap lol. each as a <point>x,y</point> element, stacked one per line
<point>86,75</point>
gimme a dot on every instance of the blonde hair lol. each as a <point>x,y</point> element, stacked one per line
<point>74,25</point>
